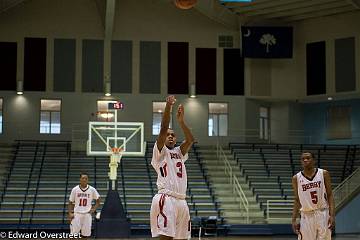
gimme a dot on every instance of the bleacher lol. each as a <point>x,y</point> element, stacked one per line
<point>39,180</point>
<point>269,167</point>
<point>39,176</point>
<point>35,187</point>
<point>6,158</point>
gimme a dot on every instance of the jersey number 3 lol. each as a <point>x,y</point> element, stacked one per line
<point>179,172</point>
<point>314,197</point>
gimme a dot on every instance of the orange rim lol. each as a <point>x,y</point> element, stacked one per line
<point>116,150</point>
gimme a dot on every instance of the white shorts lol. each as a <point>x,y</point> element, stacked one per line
<point>314,225</point>
<point>81,223</point>
<point>170,216</point>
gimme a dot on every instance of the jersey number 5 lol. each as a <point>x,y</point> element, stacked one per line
<point>314,197</point>
<point>83,202</point>
<point>179,166</point>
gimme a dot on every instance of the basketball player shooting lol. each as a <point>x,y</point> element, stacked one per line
<point>314,200</point>
<point>169,214</point>
<point>80,206</point>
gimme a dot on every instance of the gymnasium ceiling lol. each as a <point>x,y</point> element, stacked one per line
<point>290,10</point>
<point>255,12</point>
<point>8,4</point>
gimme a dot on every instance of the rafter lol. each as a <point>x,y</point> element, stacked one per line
<point>100,5</point>
<point>8,4</point>
<point>355,3</point>
<point>280,10</point>
<point>109,18</point>
<point>246,4</point>
<point>266,5</point>
<point>317,14</point>
<point>290,6</point>
<point>283,12</point>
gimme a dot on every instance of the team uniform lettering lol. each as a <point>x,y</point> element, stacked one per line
<point>83,195</point>
<point>311,185</point>
<point>175,156</point>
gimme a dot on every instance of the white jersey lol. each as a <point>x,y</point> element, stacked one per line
<point>170,167</point>
<point>312,192</point>
<point>82,198</point>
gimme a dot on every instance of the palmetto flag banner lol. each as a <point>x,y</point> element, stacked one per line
<point>267,42</point>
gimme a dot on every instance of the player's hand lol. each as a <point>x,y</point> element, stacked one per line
<point>296,227</point>
<point>171,100</point>
<point>331,223</point>
<point>180,113</point>
<point>70,217</point>
<point>92,210</point>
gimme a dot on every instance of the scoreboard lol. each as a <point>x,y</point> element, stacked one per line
<point>115,105</point>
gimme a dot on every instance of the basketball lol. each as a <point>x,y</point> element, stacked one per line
<point>184,4</point>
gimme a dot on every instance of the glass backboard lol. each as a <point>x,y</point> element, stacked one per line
<point>104,136</point>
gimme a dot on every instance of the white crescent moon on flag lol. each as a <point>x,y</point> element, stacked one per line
<point>247,34</point>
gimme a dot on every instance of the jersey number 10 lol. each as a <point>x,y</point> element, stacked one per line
<point>83,202</point>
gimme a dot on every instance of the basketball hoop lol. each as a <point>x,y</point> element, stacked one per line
<point>116,154</point>
<point>115,159</point>
<point>116,150</point>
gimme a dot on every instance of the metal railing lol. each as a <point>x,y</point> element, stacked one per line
<point>345,189</point>
<point>235,184</point>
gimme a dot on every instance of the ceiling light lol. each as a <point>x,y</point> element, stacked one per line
<point>19,87</point>
<point>106,115</point>
<point>107,89</point>
<point>192,91</point>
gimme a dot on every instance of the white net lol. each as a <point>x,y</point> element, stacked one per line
<point>115,159</point>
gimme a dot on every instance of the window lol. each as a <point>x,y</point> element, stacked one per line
<point>264,123</point>
<point>226,41</point>
<point>158,111</point>
<point>103,112</point>
<point>1,115</point>
<point>218,119</point>
<point>50,116</point>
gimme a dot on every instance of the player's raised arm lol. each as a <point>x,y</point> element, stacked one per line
<point>296,208</point>
<point>189,138</point>
<point>170,101</point>
<point>330,199</point>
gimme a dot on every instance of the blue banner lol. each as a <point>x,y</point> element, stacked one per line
<point>267,42</point>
